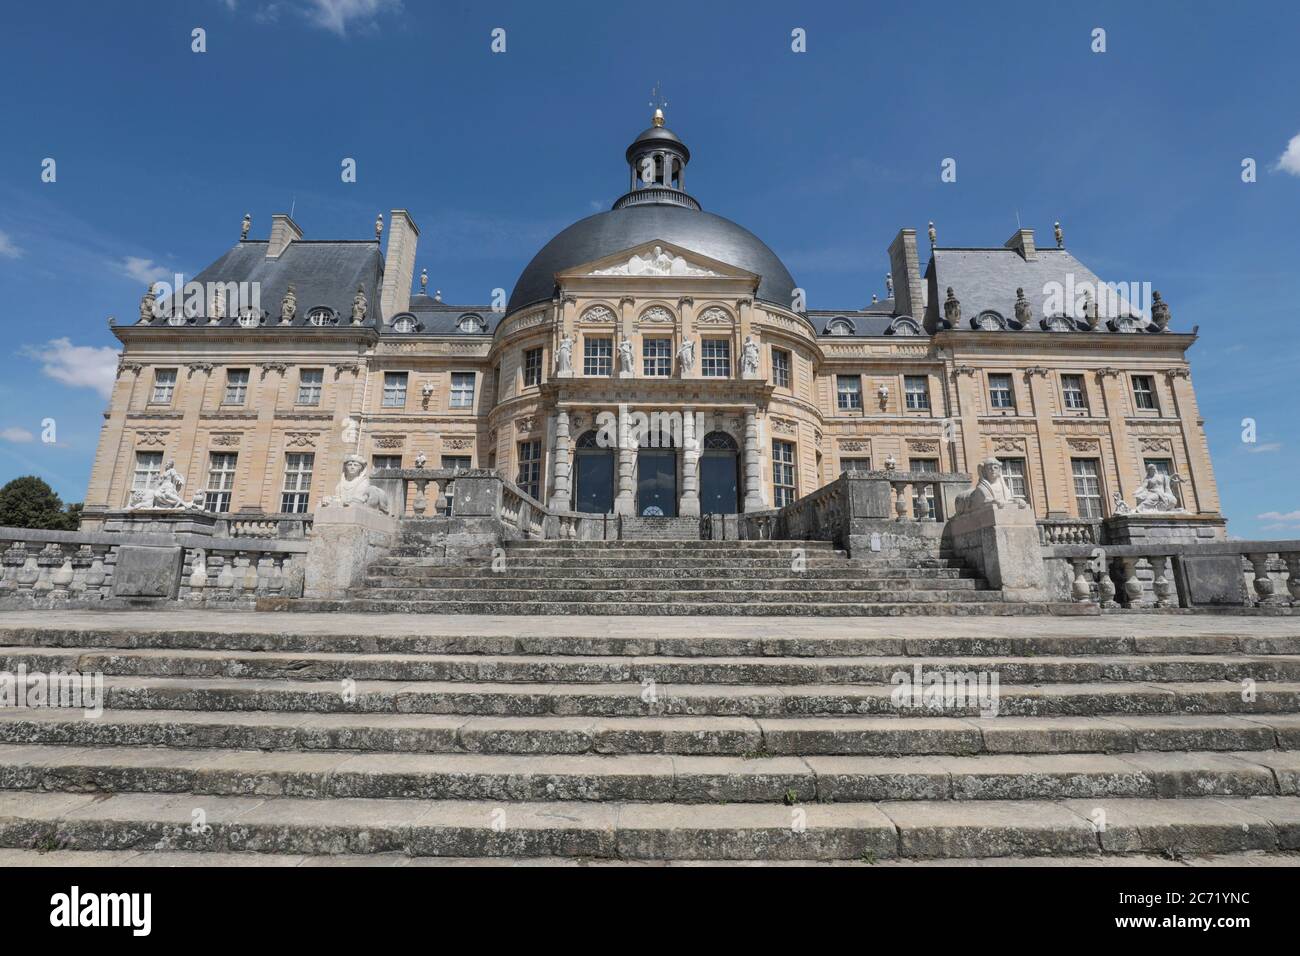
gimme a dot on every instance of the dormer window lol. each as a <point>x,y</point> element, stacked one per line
<point>322,315</point>
<point>250,318</point>
<point>839,327</point>
<point>471,323</point>
<point>177,317</point>
<point>405,323</point>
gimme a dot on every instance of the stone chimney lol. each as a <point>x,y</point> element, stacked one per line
<point>905,267</point>
<point>1022,240</point>
<point>283,231</point>
<point>399,264</point>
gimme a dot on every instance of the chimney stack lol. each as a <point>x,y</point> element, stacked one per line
<point>1022,240</point>
<point>283,231</point>
<point>399,264</point>
<point>905,267</point>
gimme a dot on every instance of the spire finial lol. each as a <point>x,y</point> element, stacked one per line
<point>424,281</point>
<point>658,103</point>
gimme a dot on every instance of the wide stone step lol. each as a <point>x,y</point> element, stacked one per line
<point>543,668</point>
<point>668,544</point>
<point>861,831</point>
<point>407,635</point>
<point>688,735</point>
<point>506,591</point>
<point>647,778</point>
<point>459,571</point>
<point>430,584</point>
<point>981,603</point>
<point>634,700</point>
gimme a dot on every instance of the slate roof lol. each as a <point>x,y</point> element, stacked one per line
<point>323,273</point>
<point>987,279</point>
<point>442,318</point>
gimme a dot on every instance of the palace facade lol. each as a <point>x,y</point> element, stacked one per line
<point>653,306</point>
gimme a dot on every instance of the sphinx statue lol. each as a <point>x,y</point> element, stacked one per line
<point>354,488</point>
<point>991,489</point>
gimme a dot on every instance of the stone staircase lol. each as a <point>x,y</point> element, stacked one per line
<point>318,735</point>
<point>671,577</point>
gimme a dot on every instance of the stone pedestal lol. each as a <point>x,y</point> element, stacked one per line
<point>1002,542</point>
<point>345,539</point>
<point>1173,528</point>
<point>160,521</point>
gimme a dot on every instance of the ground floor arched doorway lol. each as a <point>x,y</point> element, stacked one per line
<point>593,470</point>
<point>719,475</point>
<point>656,482</point>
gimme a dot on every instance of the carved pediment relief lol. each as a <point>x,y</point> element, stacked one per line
<point>655,262</point>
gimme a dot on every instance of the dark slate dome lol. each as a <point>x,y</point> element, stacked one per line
<point>655,208</point>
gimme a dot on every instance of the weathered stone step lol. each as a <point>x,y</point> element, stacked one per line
<point>633,700</point>
<point>986,603</point>
<point>414,637</point>
<point>651,544</point>
<point>680,585</point>
<point>863,831</point>
<point>542,668</point>
<point>647,778</point>
<point>838,575</point>
<point>505,591</point>
<point>716,736</point>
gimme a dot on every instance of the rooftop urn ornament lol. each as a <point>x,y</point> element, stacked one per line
<point>1159,312</point>
<point>424,282</point>
<point>1060,236</point>
<point>218,304</point>
<point>148,302</point>
<point>1090,312</point>
<point>354,488</point>
<point>359,306</point>
<point>933,234</point>
<point>288,306</point>
<point>437,295</point>
<point>246,225</point>
<point>874,300</point>
<point>1023,311</point>
<point>951,310</point>
<point>379,227</point>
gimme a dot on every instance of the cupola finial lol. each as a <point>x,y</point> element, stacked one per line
<point>658,103</point>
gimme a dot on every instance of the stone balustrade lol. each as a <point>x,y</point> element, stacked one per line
<point>1264,575</point>
<point>1052,531</point>
<point>115,570</point>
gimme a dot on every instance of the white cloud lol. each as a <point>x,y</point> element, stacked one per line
<point>337,15</point>
<point>1277,516</point>
<point>1289,161</point>
<point>1268,446</point>
<point>7,248</point>
<point>143,270</point>
<point>16,434</point>
<point>81,366</point>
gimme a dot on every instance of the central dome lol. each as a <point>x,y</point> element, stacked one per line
<point>656,208</point>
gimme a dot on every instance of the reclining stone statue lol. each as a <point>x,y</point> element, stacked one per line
<point>991,489</point>
<point>1155,495</point>
<point>354,488</point>
<point>163,493</point>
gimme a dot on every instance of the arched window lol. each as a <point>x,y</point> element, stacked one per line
<point>323,315</point>
<point>839,327</point>
<point>405,323</point>
<point>720,441</point>
<point>471,323</point>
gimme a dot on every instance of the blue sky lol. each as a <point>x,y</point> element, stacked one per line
<point>824,154</point>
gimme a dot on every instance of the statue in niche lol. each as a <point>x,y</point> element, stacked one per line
<point>564,356</point>
<point>749,356</point>
<point>359,306</point>
<point>686,356</point>
<point>354,488</point>
<point>625,358</point>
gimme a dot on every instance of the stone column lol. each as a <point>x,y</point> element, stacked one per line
<point>1200,469</point>
<point>561,499</point>
<point>254,462</point>
<point>966,386</point>
<point>754,500</point>
<point>625,501</point>
<point>188,461</point>
<point>1127,467</point>
<point>1049,458</point>
<point>689,503</point>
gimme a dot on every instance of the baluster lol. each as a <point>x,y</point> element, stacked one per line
<point>1162,585</point>
<point>1081,590</point>
<point>198,576</point>
<point>61,579</point>
<point>1132,586</point>
<point>420,503</point>
<point>1293,576</point>
<point>1263,582</point>
<point>1106,586</point>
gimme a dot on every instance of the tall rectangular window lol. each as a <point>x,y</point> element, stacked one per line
<point>148,465</point>
<point>164,386</point>
<point>783,472</point>
<point>462,389</point>
<point>379,462</point>
<point>597,356</point>
<point>855,465</point>
<point>848,389</point>
<point>715,358</point>
<point>297,482</point>
<point>1144,393</point>
<point>780,368</point>
<point>530,468</point>
<point>1000,393</point>
<point>1013,469</point>
<point>1076,397</point>
<point>395,389</point>
<point>1087,486</point>
<point>310,382</point>
<point>657,357</point>
<point>221,481</point>
<point>929,466</point>
<point>916,389</point>
<point>236,386</point>
<point>496,381</point>
<point>532,368</point>
<point>456,462</point>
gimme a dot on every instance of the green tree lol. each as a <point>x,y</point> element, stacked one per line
<point>28,502</point>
